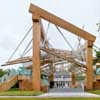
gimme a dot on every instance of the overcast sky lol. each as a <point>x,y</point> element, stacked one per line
<point>15,21</point>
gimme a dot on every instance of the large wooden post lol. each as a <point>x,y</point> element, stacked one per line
<point>73,79</point>
<point>36,53</point>
<point>51,78</point>
<point>73,76</point>
<point>89,62</point>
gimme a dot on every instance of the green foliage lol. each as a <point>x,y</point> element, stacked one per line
<point>2,72</point>
<point>97,58</point>
<point>16,92</point>
<point>94,91</point>
<point>98,26</point>
<point>98,54</point>
<point>80,78</point>
<point>26,98</point>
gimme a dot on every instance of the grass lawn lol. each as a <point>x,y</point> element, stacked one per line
<point>16,92</point>
<point>94,91</point>
<point>49,98</point>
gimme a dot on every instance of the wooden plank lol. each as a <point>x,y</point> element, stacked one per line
<point>43,35</point>
<point>61,23</point>
<point>63,57</point>
<point>58,53</point>
<point>42,31</point>
<point>89,65</point>
<point>36,54</point>
<point>18,60</point>
<point>12,62</point>
<point>6,85</point>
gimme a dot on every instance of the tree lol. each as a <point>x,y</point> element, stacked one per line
<point>98,26</point>
<point>97,57</point>
<point>2,72</point>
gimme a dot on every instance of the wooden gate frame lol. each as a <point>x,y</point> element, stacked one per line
<point>38,14</point>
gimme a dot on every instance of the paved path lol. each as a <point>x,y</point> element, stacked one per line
<point>66,90</point>
<point>60,92</point>
<point>57,95</point>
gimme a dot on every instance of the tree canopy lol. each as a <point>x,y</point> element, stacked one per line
<point>2,72</point>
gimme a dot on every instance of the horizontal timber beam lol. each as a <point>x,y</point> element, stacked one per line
<point>61,23</point>
<point>59,55</point>
<point>25,60</point>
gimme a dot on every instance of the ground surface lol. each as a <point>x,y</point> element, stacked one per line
<point>49,98</point>
<point>70,94</point>
<point>65,95</point>
<point>15,92</point>
<point>66,90</point>
<point>94,92</point>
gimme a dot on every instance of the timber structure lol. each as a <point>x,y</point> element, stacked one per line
<point>37,15</point>
<point>55,56</point>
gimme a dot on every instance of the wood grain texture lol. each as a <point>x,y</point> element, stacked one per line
<point>6,85</point>
<point>36,54</point>
<point>61,23</point>
<point>89,64</point>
